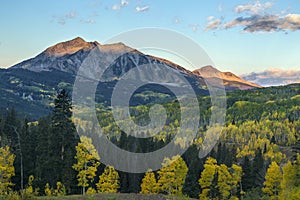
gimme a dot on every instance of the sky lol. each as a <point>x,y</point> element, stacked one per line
<point>240,36</point>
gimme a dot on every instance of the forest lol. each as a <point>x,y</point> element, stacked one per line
<point>256,157</point>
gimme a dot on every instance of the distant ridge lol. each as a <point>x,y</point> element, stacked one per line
<point>229,79</point>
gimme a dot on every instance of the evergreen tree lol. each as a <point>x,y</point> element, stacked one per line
<point>62,140</point>
<point>258,169</point>
<point>247,177</point>
<point>43,153</point>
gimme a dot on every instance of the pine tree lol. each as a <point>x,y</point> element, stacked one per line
<point>108,181</point>
<point>247,177</point>
<point>87,162</point>
<point>149,185</point>
<point>43,153</point>
<point>207,178</point>
<point>171,176</point>
<point>7,170</point>
<point>62,140</point>
<point>258,169</point>
<point>273,179</point>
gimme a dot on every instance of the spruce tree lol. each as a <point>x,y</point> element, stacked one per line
<point>62,140</point>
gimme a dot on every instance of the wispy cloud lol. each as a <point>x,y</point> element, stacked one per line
<point>64,18</point>
<point>195,27</point>
<point>95,4</point>
<point>120,5</point>
<point>71,15</point>
<point>142,8</point>
<point>220,7</point>
<point>88,21</point>
<point>253,8</point>
<point>213,23</point>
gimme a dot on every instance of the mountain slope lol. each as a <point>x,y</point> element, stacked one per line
<point>231,81</point>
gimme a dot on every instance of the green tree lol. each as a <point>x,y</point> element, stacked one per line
<point>207,178</point>
<point>7,170</point>
<point>273,179</point>
<point>108,181</point>
<point>171,176</point>
<point>62,141</point>
<point>87,162</point>
<point>149,185</point>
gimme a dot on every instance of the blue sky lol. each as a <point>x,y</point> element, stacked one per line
<point>240,36</point>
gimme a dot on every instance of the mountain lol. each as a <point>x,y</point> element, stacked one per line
<point>31,85</point>
<point>231,81</point>
<point>273,77</point>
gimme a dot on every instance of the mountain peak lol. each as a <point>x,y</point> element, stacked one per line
<point>228,77</point>
<point>69,47</point>
<point>207,72</point>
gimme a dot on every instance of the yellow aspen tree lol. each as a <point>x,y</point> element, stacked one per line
<point>149,185</point>
<point>7,170</point>
<point>48,190</point>
<point>273,179</point>
<point>207,178</point>
<point>288,180</point>
<point>236,175</point>
<point>224,181</point>
<point>171,176</point>
<point>108,181</point>
<point>87,162</point>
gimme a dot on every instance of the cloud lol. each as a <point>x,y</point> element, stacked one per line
<point>176,20</point>
<point>195,27</point>
<point>88,21</point>
<point>142,9</point>
<point>273,77</point>
<point>95,4</point>
<point>71,15</point>
<point>213,23</point>
<point>266,23</point>
<point>63,19</point>
<point>210,18</point>
<point>116,7</point>
<point>253,8</point>
<point>253,17</point>
<point>122,4</point>
<point>220,7</point>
